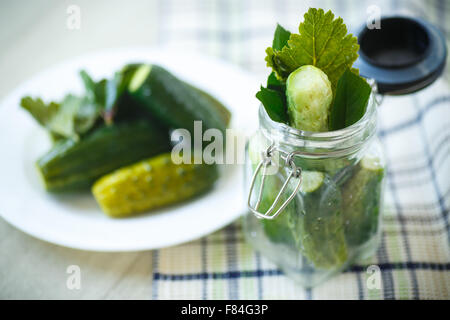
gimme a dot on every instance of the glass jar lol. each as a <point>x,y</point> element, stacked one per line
<point>315,198</point>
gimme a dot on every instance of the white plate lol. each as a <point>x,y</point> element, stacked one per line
<point>75,220</point>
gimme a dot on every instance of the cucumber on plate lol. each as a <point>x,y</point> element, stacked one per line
<point>72,165</point>
<point>175,103</point>
<point>151,184</point>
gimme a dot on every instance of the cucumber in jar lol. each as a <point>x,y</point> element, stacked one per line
<point>318,227</point>
<point>312,222</point>
<point>361,200</point>
<point>309,97</point>
<point>277,229</point>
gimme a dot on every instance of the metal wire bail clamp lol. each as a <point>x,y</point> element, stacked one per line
<point>266,160</point>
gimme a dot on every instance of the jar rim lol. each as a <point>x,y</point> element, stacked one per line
<point>337,143</point>
<point>340,134</point>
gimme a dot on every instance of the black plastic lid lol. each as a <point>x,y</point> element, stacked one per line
<point>403,56</point>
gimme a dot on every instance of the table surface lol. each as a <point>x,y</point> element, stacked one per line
<point>34,36</point>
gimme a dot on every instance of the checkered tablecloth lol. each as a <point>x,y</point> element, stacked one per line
<point>414,257</point>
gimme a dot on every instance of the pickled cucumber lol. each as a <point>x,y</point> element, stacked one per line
<point>318,226</point>
<point>222,111</point>
<point>361,201</point>
<point>311,181</point>
<point>150,184</point>
<point>173,103</point>
<point>309,97</point>
<point>276,229</point>
<point>75,165</point>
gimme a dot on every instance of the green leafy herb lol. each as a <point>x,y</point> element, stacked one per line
<point>274,102</point>
<point>350,102</point>
<point>280,38</point>
<point>273,97</point>
<point>112,94</point>
<point>68,119</point>
<point>275,84</point>
<point>76,115</point>
<point>322,42</point>
<point>106,93</point>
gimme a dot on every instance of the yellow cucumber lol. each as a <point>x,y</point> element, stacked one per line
<point>150,184</point>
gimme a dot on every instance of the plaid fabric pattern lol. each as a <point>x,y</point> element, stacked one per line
<point>414,256</point>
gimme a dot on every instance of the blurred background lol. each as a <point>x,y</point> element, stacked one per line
<point>35,35</point>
